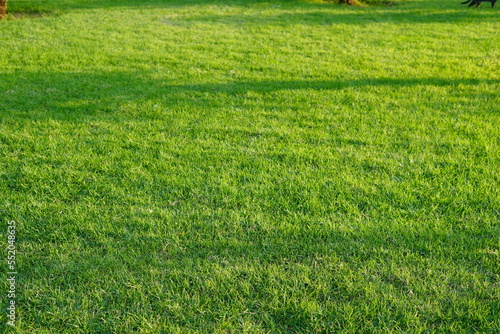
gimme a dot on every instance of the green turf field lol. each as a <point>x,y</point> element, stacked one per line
<point>220,166</point>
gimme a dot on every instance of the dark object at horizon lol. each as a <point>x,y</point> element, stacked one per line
<point>478,2</point>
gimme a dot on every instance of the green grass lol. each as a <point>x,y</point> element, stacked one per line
<point>252,166</point>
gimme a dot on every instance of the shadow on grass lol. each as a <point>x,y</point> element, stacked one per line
<point>350,16</point>
<point>268,86</point>
<point>76,96</point>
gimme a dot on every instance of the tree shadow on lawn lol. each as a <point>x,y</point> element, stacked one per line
<point>77,96</point>
<point>351,16</point>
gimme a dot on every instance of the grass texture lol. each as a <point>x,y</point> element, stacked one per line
<point>251,166</point>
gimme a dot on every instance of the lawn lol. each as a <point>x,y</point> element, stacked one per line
<point>250,166</point>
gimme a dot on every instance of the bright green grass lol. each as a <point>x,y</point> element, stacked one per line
<point>252,167</point>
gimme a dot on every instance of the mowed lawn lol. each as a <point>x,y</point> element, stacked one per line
<point>251,166</point>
